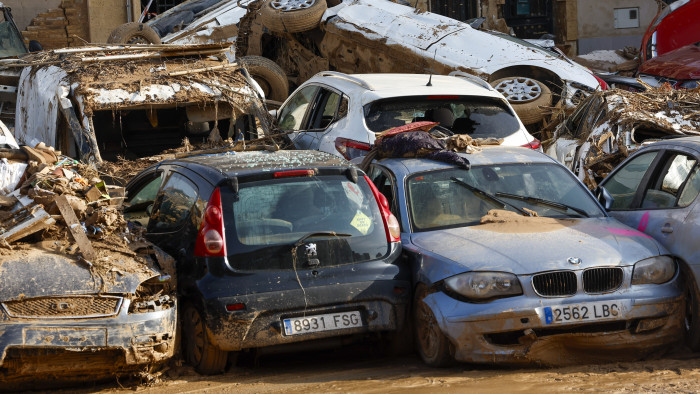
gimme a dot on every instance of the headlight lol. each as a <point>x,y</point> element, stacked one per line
<point>659,269</point>
<point>484,285</point>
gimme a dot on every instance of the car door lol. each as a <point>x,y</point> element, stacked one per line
<point>655,192</point>
<point>311,111</point>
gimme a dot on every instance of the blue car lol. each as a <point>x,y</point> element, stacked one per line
<point>514,261</point>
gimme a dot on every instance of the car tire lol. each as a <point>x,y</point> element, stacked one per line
<point>271,78</point>
<point>134,33</point>
<point>432,345</point>
<point>292,16</point>
<point>526,96</point>
<point>199,352</point>
<point>400,342</point>
<point>691,317</point>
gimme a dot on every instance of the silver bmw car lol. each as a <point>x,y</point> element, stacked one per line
<point>515,261</point>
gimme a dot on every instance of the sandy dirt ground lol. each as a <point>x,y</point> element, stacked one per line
<point>360,371</point>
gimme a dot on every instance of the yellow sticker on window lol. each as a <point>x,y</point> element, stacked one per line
<point>361,222</point>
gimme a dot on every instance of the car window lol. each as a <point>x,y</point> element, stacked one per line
<point>271,216</point>
<point>623,184</point>
<point>141,197</point>
<point>383,181</point>
<point>478,117</point>
<point>448,198</point>
<point>174,204</point>
<point>666,189</point>
<point>331,106</point>
<point>292,115</point>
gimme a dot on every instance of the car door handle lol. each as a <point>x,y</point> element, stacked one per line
<point>667,229</point>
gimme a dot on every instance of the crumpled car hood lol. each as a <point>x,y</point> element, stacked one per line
<point>39,274</point>
<point>596,241</point>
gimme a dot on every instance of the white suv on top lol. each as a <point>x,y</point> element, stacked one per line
<point>341,113</point>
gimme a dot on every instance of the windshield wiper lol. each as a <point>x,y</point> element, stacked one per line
<point>301,240</point>
<point>540,201</point>
<point>487,196</point>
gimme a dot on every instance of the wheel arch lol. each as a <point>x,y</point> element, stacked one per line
<point>549,78</point>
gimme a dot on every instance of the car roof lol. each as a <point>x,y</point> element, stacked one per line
<point>385,85</point>
<point>688,142</point>
<point>489,155</point>
<point>228,164</point>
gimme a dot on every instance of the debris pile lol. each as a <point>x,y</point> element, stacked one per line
<point>617,122</point>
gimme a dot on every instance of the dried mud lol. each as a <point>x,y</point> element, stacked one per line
<point>501,221</point>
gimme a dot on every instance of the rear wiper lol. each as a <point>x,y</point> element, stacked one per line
<point>487,196</point>
<point>540,201</point>
<point>319,234</point>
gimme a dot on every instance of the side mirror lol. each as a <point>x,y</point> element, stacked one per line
<point>604,197</point>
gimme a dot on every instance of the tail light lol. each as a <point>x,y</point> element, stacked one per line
<point>210,239</point>
<point>391,225</point>
<point>351,149</point>
<point>603,84</point>
<point>534,144</point>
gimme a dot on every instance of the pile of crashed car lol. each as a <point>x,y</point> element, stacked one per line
<point>152,207</point>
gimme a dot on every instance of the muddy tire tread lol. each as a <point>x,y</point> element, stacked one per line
<point>122,34</point>
<point>292,21</point>
<point>263,68</point>
<point>213,360</point>
<point>443,357</point>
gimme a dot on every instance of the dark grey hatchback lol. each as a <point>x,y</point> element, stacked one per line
<point>273,248</point>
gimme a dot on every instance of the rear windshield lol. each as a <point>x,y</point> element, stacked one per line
<point>478,117</point>
<point>269,217</point>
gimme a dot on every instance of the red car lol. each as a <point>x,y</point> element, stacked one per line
<point>673,27</point>
<point>680,67</point>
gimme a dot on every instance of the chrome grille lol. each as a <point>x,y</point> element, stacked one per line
<point>63,307</point>
<point>599,280</point>
<point>551,284</point>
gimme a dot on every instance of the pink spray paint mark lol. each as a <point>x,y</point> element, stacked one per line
<point>626,232</point>
<point>643,222</point>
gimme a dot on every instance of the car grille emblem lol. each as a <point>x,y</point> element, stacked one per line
<point>312,255</point>
<point>574,260</point>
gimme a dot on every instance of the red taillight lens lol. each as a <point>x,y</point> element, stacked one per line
<point>351,149</point>
<point>211,241</point>
<point>235,307</point>
<point>391,224</point>
<point>534,144</point>
<point>603,84</point>
<point>284,174</point>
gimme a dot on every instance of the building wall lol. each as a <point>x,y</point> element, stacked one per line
<point>23,11</point>
<point>105,15</point>
<point>596,24</point>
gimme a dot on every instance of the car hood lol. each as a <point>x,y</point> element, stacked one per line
<point>450,42</point>
<point>682,63</point>
<point>38,273</point>
<point>541,245</point>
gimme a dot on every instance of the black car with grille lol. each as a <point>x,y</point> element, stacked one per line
<point>515,261</point>
<point>273,249</point>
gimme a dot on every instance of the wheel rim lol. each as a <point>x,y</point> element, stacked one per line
<point>138,40</point>
<point>519,89</point>
<point>427,330</point>
<point>196,339</point>
<point>291,5</point>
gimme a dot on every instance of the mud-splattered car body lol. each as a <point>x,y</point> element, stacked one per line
<point>66,317</point>
<point>558,270</point>
<point>262,262</point>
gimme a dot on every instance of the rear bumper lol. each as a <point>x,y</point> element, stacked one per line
<point>382,305</point>
<point>144,338</point>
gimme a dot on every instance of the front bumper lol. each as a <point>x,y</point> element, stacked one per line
<point>382,307</point>
<point>144,338</point>
<point>515,330</point>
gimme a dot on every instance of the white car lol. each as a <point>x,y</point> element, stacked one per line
<point>342,113</point>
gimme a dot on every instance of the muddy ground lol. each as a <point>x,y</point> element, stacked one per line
<point>359,370</point>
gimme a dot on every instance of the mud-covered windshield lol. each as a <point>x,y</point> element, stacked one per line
<point>11,42</point>
<point>478,117</point>
<point>458,198</point>
<point>270,216</point>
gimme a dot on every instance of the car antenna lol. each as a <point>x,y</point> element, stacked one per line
<point>430,79</point>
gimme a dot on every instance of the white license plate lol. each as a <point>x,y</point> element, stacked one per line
<point>584,312</point>
<point>326,322</point>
